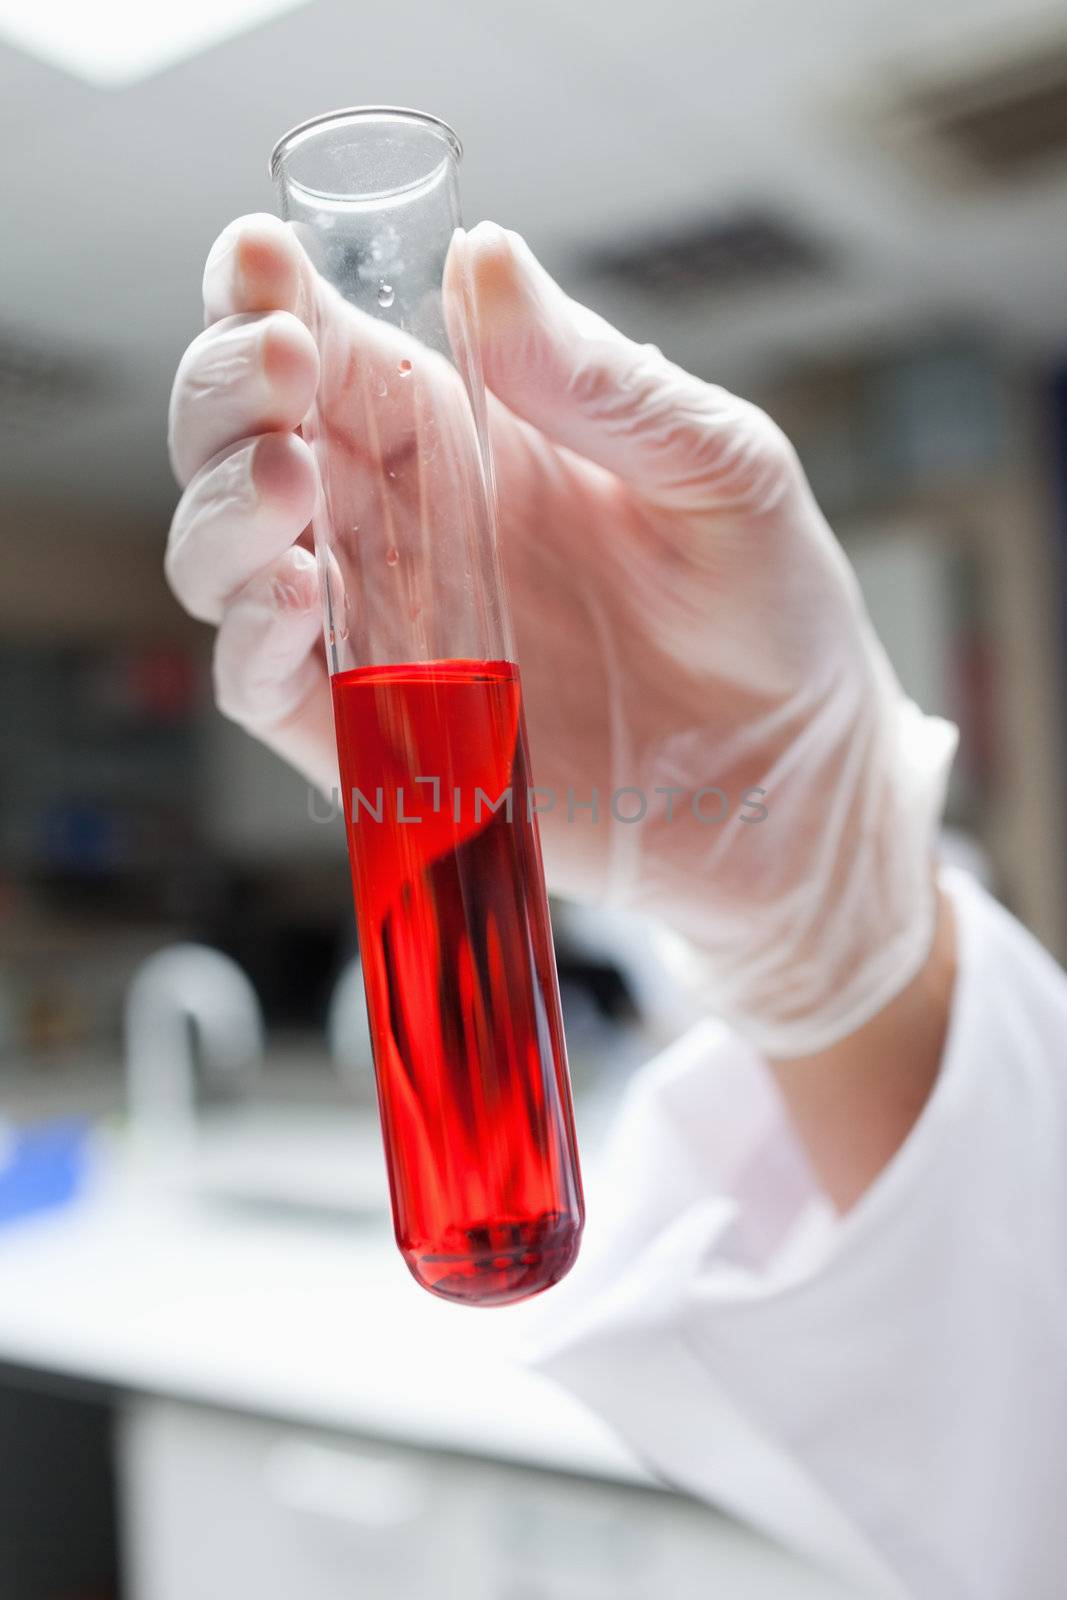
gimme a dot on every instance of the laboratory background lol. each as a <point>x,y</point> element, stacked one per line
<point>216,1377</point>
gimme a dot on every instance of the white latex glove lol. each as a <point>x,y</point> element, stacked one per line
<point>685,621</point>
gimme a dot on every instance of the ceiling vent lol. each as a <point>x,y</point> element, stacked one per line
<point>1000,120</point>
<point>41,385</point>
<point>733,251</point>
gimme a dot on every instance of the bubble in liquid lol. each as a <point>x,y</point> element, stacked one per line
<point>404,368</point>
<point>386,294</point>
<point>392,556</point>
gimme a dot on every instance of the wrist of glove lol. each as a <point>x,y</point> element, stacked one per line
<point>818,953</point>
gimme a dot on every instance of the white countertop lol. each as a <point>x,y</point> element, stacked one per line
<point>310,1321</point>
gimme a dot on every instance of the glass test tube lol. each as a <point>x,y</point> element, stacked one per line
<point>449,890</point>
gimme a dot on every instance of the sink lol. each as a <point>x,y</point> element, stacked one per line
<point>311,1163</point>
<point>198,1123</point>
<point>292,1158</point>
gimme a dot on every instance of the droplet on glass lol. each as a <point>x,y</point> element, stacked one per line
<point>386,294</point>
<point>392,556</point>
<point>404,368</point>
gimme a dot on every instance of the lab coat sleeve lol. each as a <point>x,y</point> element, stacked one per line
<point>885,1391</point>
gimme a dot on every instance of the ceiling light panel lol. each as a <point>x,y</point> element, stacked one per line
<point>112,43</point>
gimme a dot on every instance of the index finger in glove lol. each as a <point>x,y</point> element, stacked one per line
<point>257,264</point>
<point>380,391</point>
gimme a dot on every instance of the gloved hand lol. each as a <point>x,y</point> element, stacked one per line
<point>685,621</point>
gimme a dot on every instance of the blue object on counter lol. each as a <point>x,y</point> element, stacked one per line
<point>41,1166</point>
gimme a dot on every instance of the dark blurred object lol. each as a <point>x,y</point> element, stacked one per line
<point>98,774</point>
<point>58,1533</point>
<point>730,250</point>
<point>1005,119</point>
<point>291,930</point>
<point>601,981</point>
<point>41,383</point>
<point>100,854</point>
<point>932,415</point>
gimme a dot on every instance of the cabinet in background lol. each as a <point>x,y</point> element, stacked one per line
<point>219,1505</point>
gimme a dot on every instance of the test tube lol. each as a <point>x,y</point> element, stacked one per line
<point>440,812</point>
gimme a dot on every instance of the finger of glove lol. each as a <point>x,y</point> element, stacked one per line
<point>240,513</point>
<point>675,439</point>
<point>257,264</point>
<point>380,391</point>
<point>268,650</point>
<point>248,374</point>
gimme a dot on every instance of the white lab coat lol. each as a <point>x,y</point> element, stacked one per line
<point>885,1391</point>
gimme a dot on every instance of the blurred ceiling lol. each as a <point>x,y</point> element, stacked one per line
<point>598,129</point>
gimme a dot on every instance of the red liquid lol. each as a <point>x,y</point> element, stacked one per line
<point>461,978</point>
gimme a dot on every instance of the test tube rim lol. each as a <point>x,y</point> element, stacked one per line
<point>354,113</point>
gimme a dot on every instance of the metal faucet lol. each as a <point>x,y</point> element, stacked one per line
<point>188,1007</point>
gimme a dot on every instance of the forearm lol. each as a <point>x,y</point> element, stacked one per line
<point>853,1104</point>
